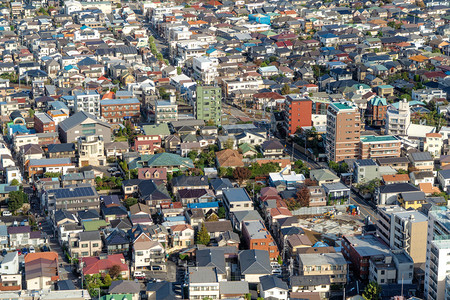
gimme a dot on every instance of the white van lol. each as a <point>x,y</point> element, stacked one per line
<point>7,213</point>
<point>32,250</point>
<point>139,275</point>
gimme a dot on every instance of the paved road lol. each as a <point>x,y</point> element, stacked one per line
<point>364,207</point>
<point>298,155</point>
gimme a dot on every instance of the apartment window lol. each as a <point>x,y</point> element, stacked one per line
<point>84,245</point>
<point>95,245</point>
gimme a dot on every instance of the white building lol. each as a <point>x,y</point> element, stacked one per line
<point>203,283</point>
<point>205,69</point>
<point>426,95</point>
<point>88,101</point>
<point>433,143</point>
<point>91,151</point>
<point>438,259</point>
<point>397,121</point>
<point>166,111</point>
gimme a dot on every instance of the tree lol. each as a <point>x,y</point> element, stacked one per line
<point>372,291</point>
<point>130,202</point>
<point>115,271</point>
<point>280,260</point>
<point>31,112</point>
<point>107,280</point>
<point>179,71</point>
<point>406,96</point>
<point>192,155</point>
<point>285,89</point>
<point>203,235</point>
<point>303,197</point>
<point>221,212</point>
<point>16,200</point>
<point>402,171</point>
<point>241,174</point>
<point>229,144</point>
<point>15,182</point>
<point>212,218</point>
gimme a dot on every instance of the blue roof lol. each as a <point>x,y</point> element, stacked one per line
<point>18,128</point>
<point>175,219</point>
<point>203,205</point>
<point>320,244</point>
<point>328,36</point>
<point>236,194</point>
<point>119,101</point>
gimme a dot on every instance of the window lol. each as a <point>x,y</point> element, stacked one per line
<point>84,245</point>
<point>95,245</point>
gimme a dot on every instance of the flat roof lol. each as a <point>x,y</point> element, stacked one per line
<point>367,245</point>
<point>378,139</point>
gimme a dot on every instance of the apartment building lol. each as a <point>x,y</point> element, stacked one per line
<point>86,243</point>
<point>343,132</point>
<point>91,151</point>
<point>166,111</point>
<point>118,110</point>
<point>87,101</point>
<point>205,69</point>
<point>208,105</point>
<point>298,113</point>
<point>359,249</point>
<point>71,199</point>
<point>398,120</point>
<point>147,144</point>
<point>44,123</point>
<point>237,199</point>
<point>333,265</point>
<point>421,161</point>
<point>257,237</point>
<point>382,146</point>
<point>403,229</point>
<point>437,264</point>
<point>376,111</point>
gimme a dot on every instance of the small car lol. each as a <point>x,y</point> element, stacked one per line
<point>4,252</point>
<point>32,250</point>
<point>6,213</point>
<point>24,251</point>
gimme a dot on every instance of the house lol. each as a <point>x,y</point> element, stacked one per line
<point>337,191</point>
<point>254,264</point>
<point>396,178</point>
<point>421,161</point>
<point>419,177</point>
<point>82,123</point>
<point>365,170</point>
<point>388,194</point>
<point>10,277</point>
<point>125,287</point>
<point>272,149</point>
<point>397,163</point>
<point>323,176</point>
<point>88,243</point>
<point>182,236</point>
<point>41,270</point>
<point>160,291</point>
<point>433,144</point>
<point>147,253</point>
<point>237,199</point>
<point>186,196</point>
<point>102,264</point>
<point>272,287</point>
<point>309,285</point>
<point>220,184</point>
<point>238,217</point>
<point>189,182</point>
<point>413,200</point>
<point>203,283</point>
<point>233,289</point>
<point>229,158</point>
<point>332,264</point>
<point>117,241</point>
<point>443,177</point>
<point>216,228</point>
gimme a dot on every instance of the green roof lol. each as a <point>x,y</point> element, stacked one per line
<point>323,174</point>
<point>160,129</point>
<point>377,138</point>
<point>247,147</point>
<point>161,160</point>
<point>386,86</point>
<point>341,106</point>
<point>117,296</point>
<point>377,101</point>
<point>94,225</point>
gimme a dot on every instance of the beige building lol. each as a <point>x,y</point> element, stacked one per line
<point>333,265</point>
<point>87,243</point>
<point>91,151</point>
<point>374,147</point>
<point>433,143</point>
<point>343,132</point>
<point>403,229</point>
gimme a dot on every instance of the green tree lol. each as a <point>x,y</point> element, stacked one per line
<point>31,112</point>
<point>406,96</point>
<point>402,171</point>
<point>16,200</point>
<point>15,182</point>
<point>221,212</point>
<point>179,71</point>
<point>372,291</point>
<point>280,260</point>
<point>285,90</point>
<point>130,202</point>
<point>51,174</point>
<point>107,280</point>
<point>203,235</point>
<point>192,155</point>
<point>229,144</point>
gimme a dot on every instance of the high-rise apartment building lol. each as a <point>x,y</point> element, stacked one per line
<point>209,104</point>
<point>343,132</point>
<point>87,101</point>
<point>403,229</point>
<point>298,113</point>
<point>437,265</point>
<point>398,120</point>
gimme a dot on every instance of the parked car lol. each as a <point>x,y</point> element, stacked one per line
<point>32,250</point>
<point>45,249</point>
<point>4,252</point>
<point>24,251</point>
<point>156,268</point>
<point>7,213</point>
<point>139,275</point>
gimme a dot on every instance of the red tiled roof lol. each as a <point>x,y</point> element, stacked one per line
<point>94,265</point>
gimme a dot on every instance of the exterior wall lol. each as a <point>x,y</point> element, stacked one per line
<point>209,104</point>
<point>98,129</point>
<point>147,144</point>
<point>117,113</point>
<point>380,150</point>
<point>298,114</point>
<point>343,133</point>
<point>86,248</point>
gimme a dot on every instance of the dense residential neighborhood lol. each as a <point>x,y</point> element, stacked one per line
<point>248,149</point>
